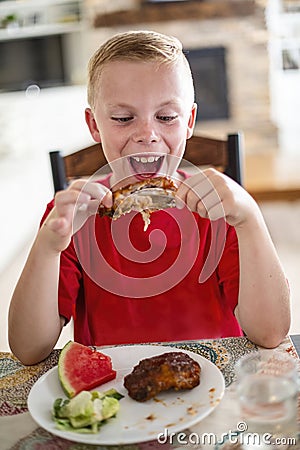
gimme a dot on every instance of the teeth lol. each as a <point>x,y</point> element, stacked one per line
<point>144,159</point>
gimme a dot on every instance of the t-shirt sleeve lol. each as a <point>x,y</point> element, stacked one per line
<point>69,277</point>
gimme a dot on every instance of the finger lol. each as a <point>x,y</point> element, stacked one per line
<point>211,199</point>
<point>95,190</point>
<point>202,192</point>
<point>65,201</point>
<point>92,205</point>
<point>211,208</point>
<point>90,208</point>
<point>217,212</point>
<point>107,199</point>
<point>59,226</point>
<point>189,183</point>
<point>194,189</point>
<point>70,197</point>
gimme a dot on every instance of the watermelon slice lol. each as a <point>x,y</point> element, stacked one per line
<point>80,368</point>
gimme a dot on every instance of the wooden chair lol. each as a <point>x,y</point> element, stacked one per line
<point>225,155</point>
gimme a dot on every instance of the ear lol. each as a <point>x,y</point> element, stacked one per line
<point>91,123</point>
<point>192,121</point>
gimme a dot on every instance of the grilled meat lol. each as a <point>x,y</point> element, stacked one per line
<point>144,196</point>
<point>175,370</point>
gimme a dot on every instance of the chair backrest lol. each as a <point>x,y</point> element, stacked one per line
<point>225,155</point>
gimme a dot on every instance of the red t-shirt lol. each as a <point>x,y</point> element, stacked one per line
<point>122,284</point>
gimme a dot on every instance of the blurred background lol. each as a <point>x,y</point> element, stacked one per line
<point>245,58</point>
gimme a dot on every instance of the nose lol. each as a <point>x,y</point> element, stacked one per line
<point>145,133</point>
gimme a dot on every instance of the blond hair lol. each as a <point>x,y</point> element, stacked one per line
<point>134,46</point>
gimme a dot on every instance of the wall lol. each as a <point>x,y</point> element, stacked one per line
<point>284,31</point>
<point>30,128</point>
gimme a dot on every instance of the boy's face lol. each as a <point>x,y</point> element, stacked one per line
<point>143,113</point>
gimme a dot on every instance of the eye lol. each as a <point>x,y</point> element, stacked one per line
<point>122,119</point>
<point>167,118</point>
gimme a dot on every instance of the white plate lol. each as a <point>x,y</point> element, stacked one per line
<point>169,412</point>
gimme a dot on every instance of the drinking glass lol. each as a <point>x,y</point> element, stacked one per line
<point>268,386</point>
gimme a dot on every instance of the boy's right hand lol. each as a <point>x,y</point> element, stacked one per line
<point>72,207</point>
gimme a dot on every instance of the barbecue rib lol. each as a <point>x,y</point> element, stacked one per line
<point>144,196</point>
<point>175,370</point>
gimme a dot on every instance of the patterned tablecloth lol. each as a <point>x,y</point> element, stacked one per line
<point>19,432</point>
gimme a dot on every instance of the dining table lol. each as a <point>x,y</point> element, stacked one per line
<point>18,430</point>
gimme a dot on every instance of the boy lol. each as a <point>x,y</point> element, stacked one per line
<point>130,289</point>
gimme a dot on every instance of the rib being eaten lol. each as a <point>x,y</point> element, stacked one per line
<point>172,370</point>
<point>145,197</point>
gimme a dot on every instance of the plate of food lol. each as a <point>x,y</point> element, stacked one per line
<point>164,390</point>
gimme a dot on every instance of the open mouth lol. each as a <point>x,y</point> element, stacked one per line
<point>146,166</point>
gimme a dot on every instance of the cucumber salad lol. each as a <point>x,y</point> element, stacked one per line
<point>87,411</point>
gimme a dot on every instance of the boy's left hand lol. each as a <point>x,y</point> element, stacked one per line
<point>214,195</point>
